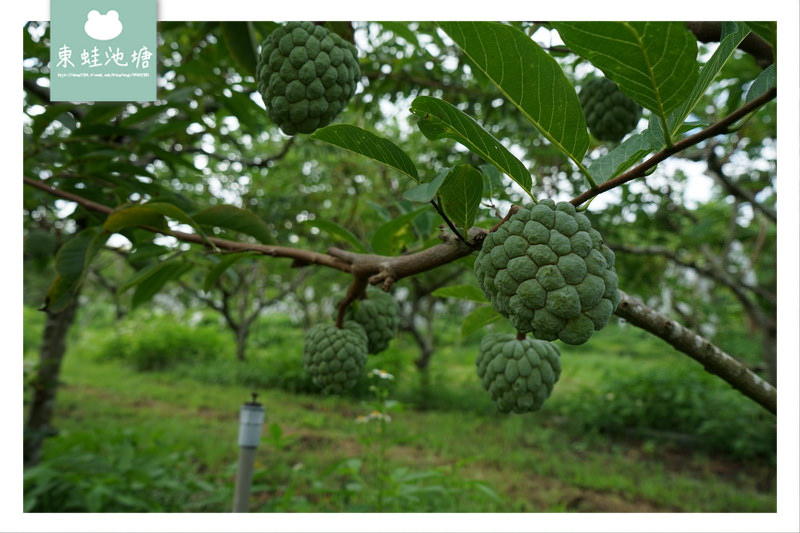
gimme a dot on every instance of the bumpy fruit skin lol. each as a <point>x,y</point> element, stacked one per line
<point>306,75</point>
<point>610,114</point>
<point>379,315</point>
<point>333,357</point>
<point>519,374</point>
<point>549,273</point>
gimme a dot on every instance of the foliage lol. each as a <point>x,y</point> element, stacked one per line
<point>115,470</point>
<point>159,342</point>
<point>674,403</point>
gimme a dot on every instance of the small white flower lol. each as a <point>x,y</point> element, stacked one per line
<point>381,374</point>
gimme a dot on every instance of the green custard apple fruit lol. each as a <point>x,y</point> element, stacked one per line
<point>379,315</point>
<point>518,374</point>
<point>549,273</point>
<point>610,113</point>
<point>333,357</point>
<point>306,75</point>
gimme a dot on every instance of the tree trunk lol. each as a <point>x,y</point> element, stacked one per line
<point>242,332</point>
<point>45,384</point>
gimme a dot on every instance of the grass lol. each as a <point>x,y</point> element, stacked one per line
<point>455,454</point>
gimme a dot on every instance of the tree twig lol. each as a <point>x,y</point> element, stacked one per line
<point>718,128</point>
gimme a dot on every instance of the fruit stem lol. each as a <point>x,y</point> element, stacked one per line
<point>520,335</point>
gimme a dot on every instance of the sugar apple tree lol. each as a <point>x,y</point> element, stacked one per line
<point>306,75</point>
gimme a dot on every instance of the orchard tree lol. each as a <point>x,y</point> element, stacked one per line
<point>541,172</point>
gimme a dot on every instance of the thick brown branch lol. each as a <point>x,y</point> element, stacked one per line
<point>718,128</point>
<point>712,358</point>
<point>753,44</point>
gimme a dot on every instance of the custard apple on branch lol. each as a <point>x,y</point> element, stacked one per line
<point>549,273</point>
<point>333,357</point>
<point>518,374</point>
<point>610,113</point>
<point>379,315</point>
<point>306,74</point>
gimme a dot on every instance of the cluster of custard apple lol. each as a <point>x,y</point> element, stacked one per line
<point>519,374</point>
<point>610,114</point>
<point>335,357</point>
<point>551,275</point>
<point>306,74</point>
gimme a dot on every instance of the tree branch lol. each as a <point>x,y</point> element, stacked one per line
<point>718,128</point>
<point>715,168</point>
<point>386,270</point>
<point>701,350</point>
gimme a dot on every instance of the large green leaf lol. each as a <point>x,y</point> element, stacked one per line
<point>765,81</point>
<point>462,292</point>
<point>338,231</point>
<point>425,192</point>
<point>439,119</point>
<point>655,63</point>
<point>623,156</point>
<point>388,237</point>
<point>134,216</point>
<point>767,30</point>
<point>241,43</point>
<point>368,144</point>
<point>708,72</point>
<point>150,280</point>
<point>460,195</point>
<point>71,264</point>
<point>236,219</point>
<point>478,318</point>
<point>223,264</point>
<point>529,78</point>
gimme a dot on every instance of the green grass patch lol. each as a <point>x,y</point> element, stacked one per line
<point>445,449</point>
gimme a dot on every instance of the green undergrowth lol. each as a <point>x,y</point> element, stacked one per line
<point>650,446</point>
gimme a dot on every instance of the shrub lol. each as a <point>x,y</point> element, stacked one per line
<point>116,471</point>
<point>675,400</point>
<point>162,342</point>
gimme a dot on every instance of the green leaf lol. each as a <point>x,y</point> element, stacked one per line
<point>51,113</point>
<point>135,216</point>
<point>401,29</point>
<point>529,78</point>
<point>368,144</point>
<point>767,30</point>
<point>478,318</point>
<point>156,277</point>
<point>622,157</point>
<point>249,114</point>
<point>71,264</point>
<point>461,195</point>
<point>338,231</point>
<point>765,81</point>
<point>390,236</point>
<point>236,219</point>
<point>462,292</point>
<point>222,265</point>
<point>241,43</point>
<point>176,213</point>
<point>425,192</point>
<point>655,63</point>
<point>439,119</point>
<point>708,72</point>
